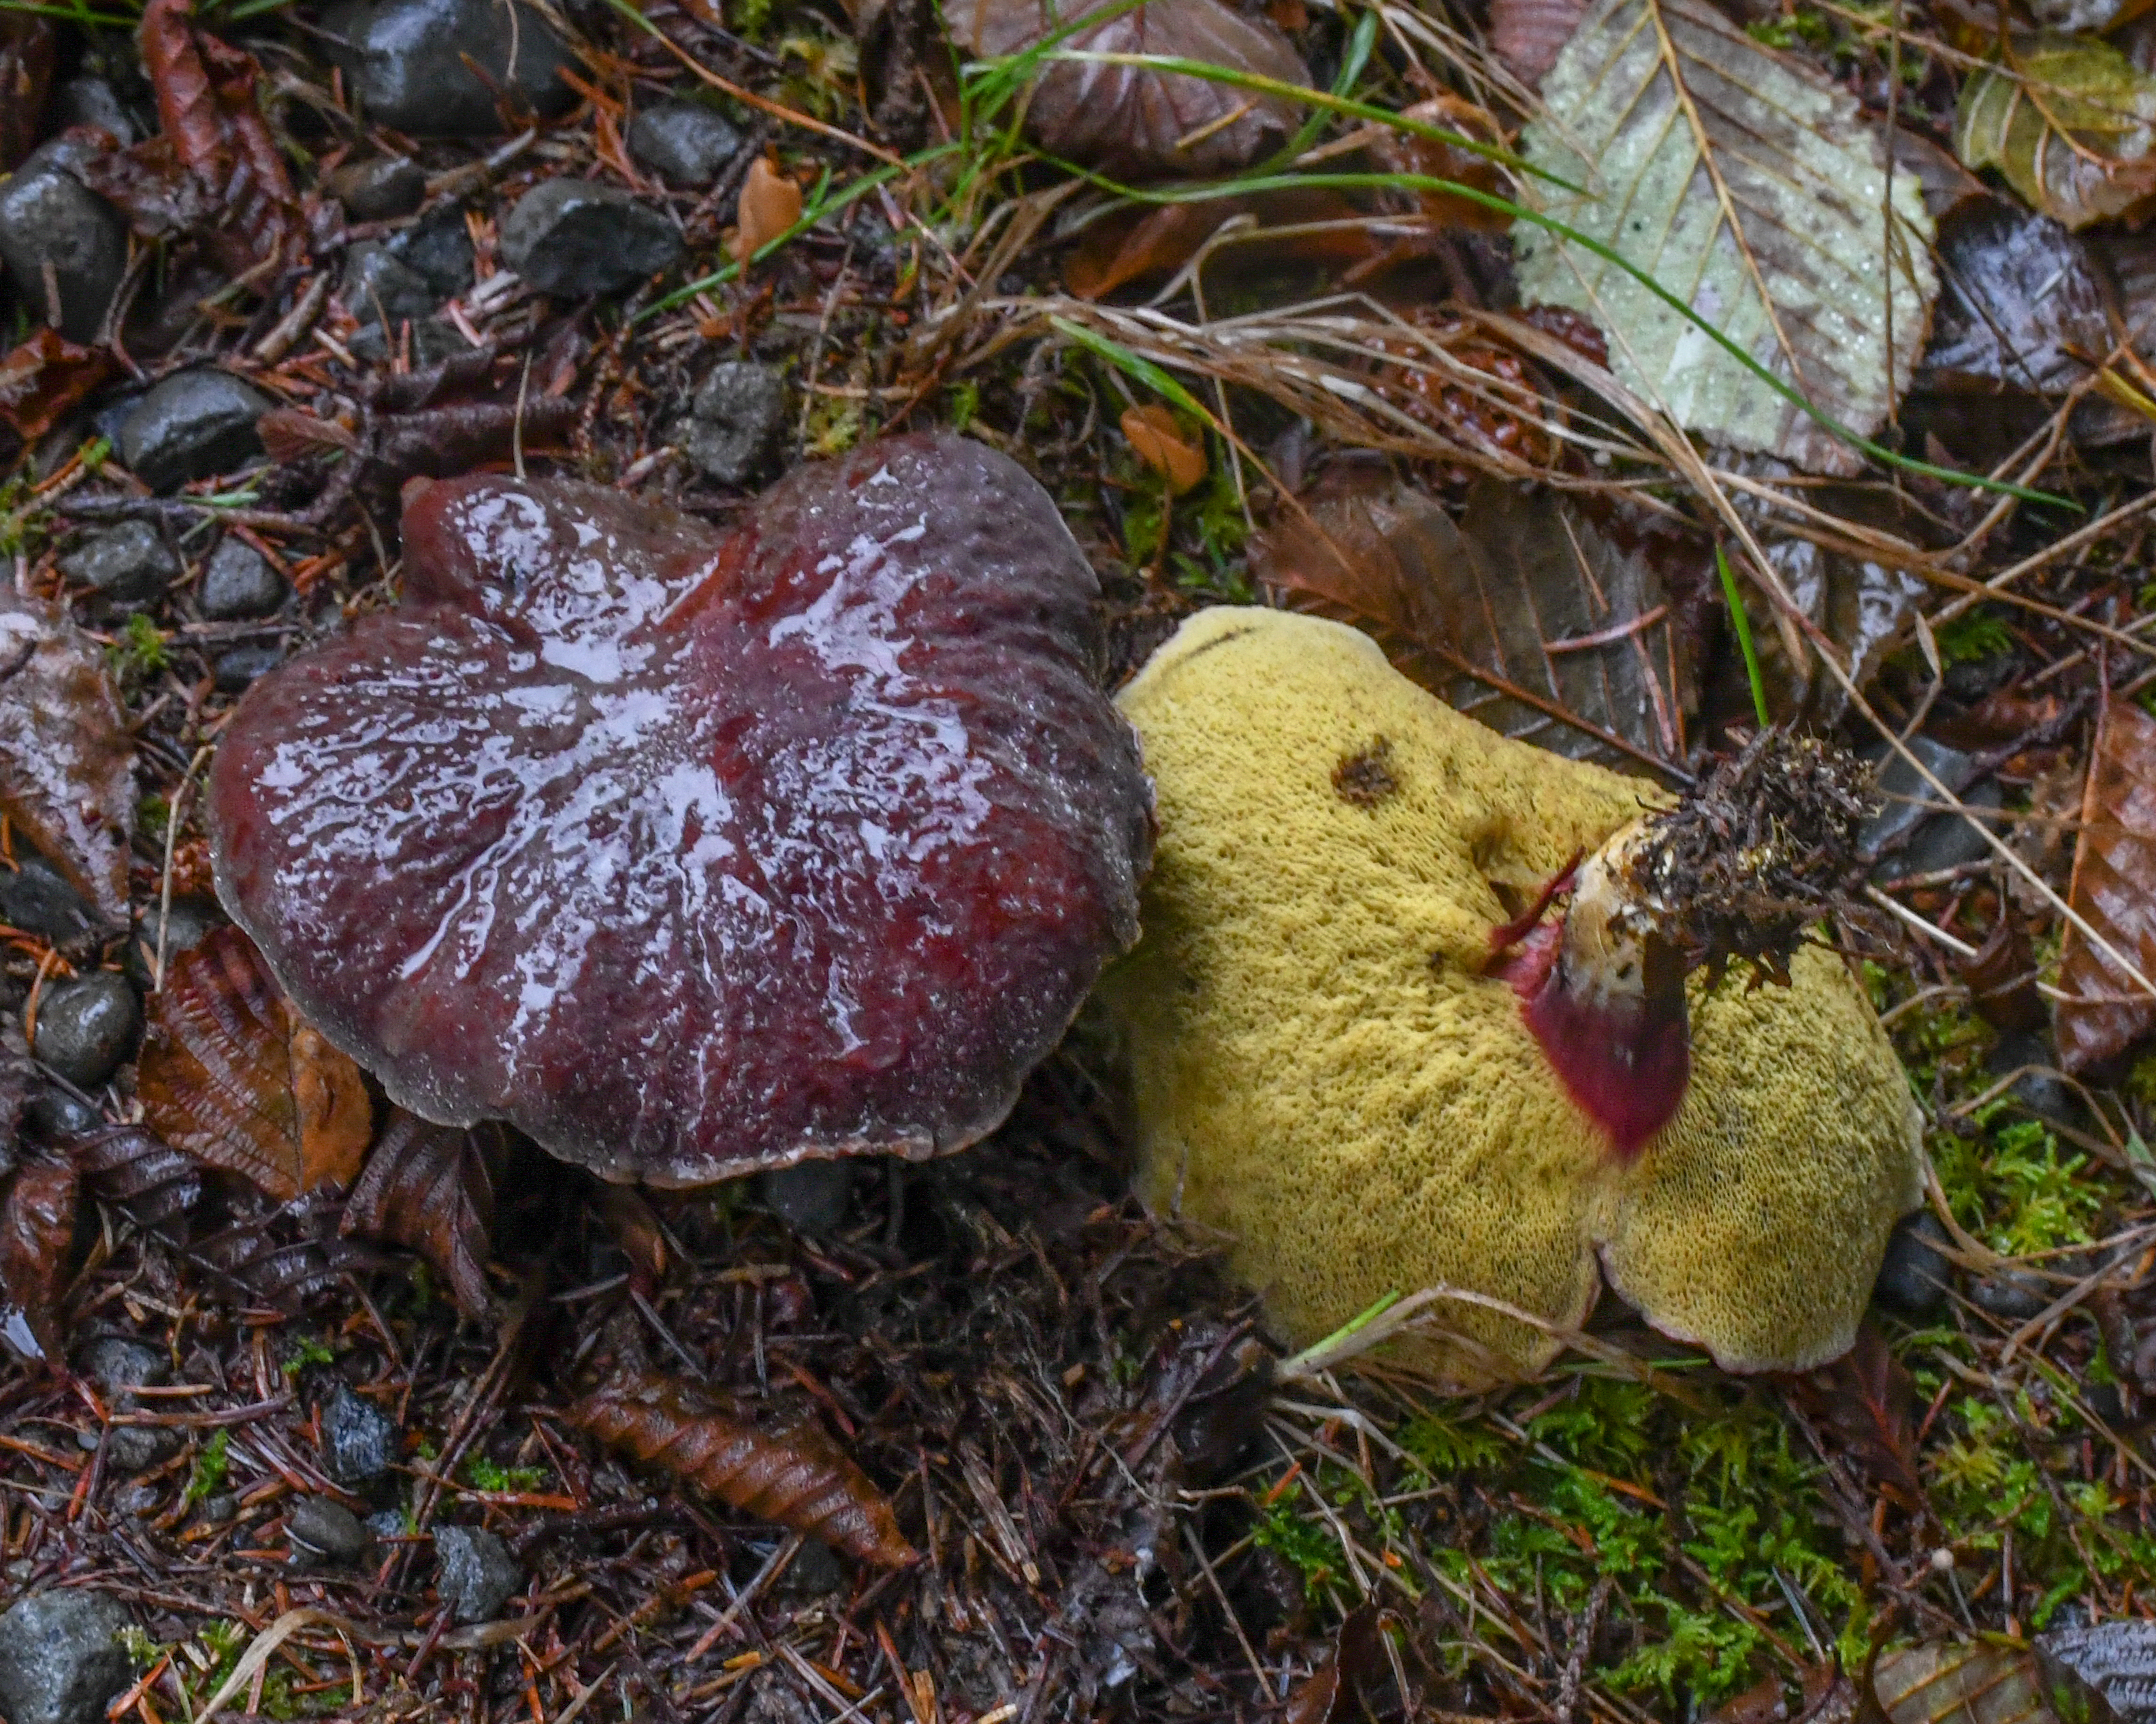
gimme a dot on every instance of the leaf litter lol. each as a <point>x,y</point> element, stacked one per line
<point>1116,1511</point>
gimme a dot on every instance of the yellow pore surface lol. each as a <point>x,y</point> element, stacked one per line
<point>1321,1070</point>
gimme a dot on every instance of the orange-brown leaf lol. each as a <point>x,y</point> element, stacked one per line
<point>429,1187</point>
<point>793,1475</point>
<point>1141,244</point>
<point>26,44</point>
<point>37,1224</point>
<point>770,204</point>
<point>1866,1398</point>
<point>2114,888</point>
<point>231,1074</point>
<point>67,765</point>
<point>43,378</point>
<point>1433,159</point>
<point>1153,432</point>
<point>1527,35</point>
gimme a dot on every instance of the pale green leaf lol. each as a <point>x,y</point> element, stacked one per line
<point>2068,121</point>
<point>1752,190</point>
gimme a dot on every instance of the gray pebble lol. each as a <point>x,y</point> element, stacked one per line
<point>434,339</point>
<point>2044,1093</point>
<point>92,101</point>
<point>238,582</point>
<point>2012,1295</point>
<point>234,671</point>
<point>116,1364</point>
<point>474,1572</point>
<point>387,1523</point>
<point>735,422</point>
<point>809,1196</point>
<point>63,1657</point>
<point>380,287</point>
<point>192,922</point>
<point>86,1026</point>
<point>572,238</point>
<point>1947,840</point>
<point>128,564</point>
<point>417,65</point>
<point>36,898</point>
<point>1901,814</point>
<point>439,246</point>
<point>1916,1274</point>
<point>217,1508</point>
<point>135,1499</point>
<point>52,1115</point>
<point>359,1440</point>
<point>685,143</point>
<point>192,424</point>
<point>324,1532</point>
<point>47,216</point>
<point>379,190</point>
<point>814,1572</point>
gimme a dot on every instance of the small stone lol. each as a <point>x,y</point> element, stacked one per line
<point>2011,1296</point>
<point>474,1572</point>
<point>192,424</point>
<point>437,68</point>
<point>434,339</point>
<point>2042,1091</point>
<point>2104,1671</point>
<point>190,923</point>
<point>92,101</point>
<point>379,190</point>
<point>235,670</point>
<point>63,1657</point>
<point>116,1364</point>
<point>1914,1278</point>
<point>809,1196</point>
<point>238,582</point>
<point>814,1572</point>
<point>128,564</point>
<point>572,238</point>
<point>136,1499</point>
<point>735,422</point>
<point>1947,840</point>
<point>439,246</point>
<point>1905,793</point>
<point>37,898</point>
<point>52,1115</point>
<point>387,1523</point>
<point>47,216</point>
<point>380,287</point>
<point>217,1508</point>
<point>85,1027</point>
<point>323,1532</point>
<point>359,1440</point>
<point>685,143</point>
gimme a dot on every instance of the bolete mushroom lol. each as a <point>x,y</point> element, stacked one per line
<point>690,852</point>
<point>1377,1075</point>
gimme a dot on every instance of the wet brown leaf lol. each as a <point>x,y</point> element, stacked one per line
<point>1143,244</point>
<point>1433,159</point>
<point>1130,121</point>
<point>45,377</point>
<point>142,1173</point>
<point>2019,298</point>
<point>2002,976</point>
<point>1161,445</point>
<point>430,1188</point>
<point>1960,1684</point>
<point>2114,888</point>
<point>66,765</point>
<point>633,1226</point>
<point>1570,622</point>
<point>1527,35</point>
<point>27,43</point>
<point>793,1475</point>
<point>1356,1663</point>
<point>37,1225</point>
<point>232,1074</point>
<point>770,204</point>
<point>1866,1399</point>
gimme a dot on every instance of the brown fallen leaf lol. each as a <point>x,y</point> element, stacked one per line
<point>1527,35</point>
<point>631,1223</point>
<point>1356,1663</point>
<point>770,204</point>
<point>1433,159</point>
<point>66,765</point>
<point>232,1074</point>
<point>1142,243</point>
<point>1960,1684</point>
<point>430,1188</point>
<point>1160,443</point>
<point>27,45</point>
<point>142,1173</point>
<point>1529,615</point>
<point>1131,121</point>
<point>794,1474</point>
<point>1866,1399</point>
<point>37,1225</point>
<point>45,377</point>
<point>2114,888</point>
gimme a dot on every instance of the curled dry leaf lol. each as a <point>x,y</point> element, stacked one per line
<point>430,1188</point>
<point>1160,443</point>
<point>26,44</point>
<point>36,1225</point>
<point>214,128</point>
<point>1334,1693</point>
<point>45,377</point>
<point>2114,889</point>
<point>2069,121</point>
<point>1132,121</point>
<point>66,765</point>
<point>232,1074</point>
<point>770,204</point>
<point>142,1173</point>
<point>794,1474</point>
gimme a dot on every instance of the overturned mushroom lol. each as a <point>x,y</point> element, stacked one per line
<point>1357,1047</point>
<point>691,853</point>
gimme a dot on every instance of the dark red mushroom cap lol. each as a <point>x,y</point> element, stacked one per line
<point>692,853</point>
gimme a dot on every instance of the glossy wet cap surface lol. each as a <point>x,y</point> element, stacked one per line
<point>692,852</point>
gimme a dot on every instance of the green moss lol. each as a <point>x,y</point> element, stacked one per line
<point>483,1474</point>
<point>206,1477</point>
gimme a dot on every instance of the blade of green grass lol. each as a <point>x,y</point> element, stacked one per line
<point>1743,624</point>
